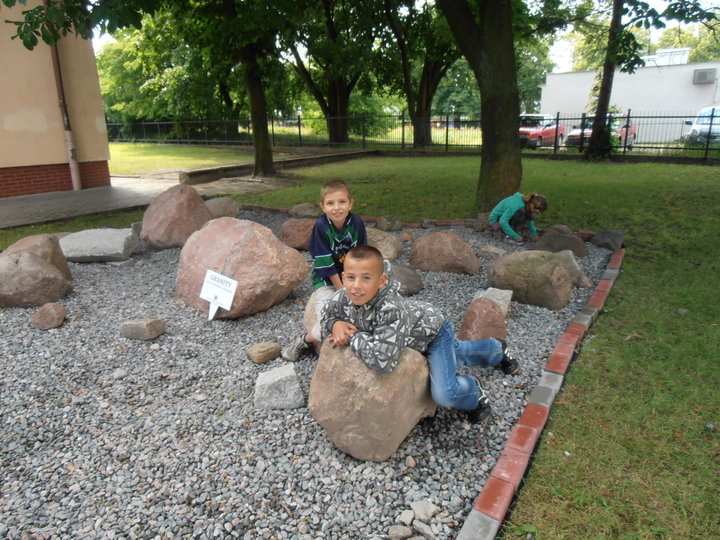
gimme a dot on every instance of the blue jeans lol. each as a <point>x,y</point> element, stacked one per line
<point>445,353</point>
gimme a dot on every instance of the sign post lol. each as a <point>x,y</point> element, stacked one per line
<point>219,290</point>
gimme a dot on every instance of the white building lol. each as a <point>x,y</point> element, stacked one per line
<point>666,86</point>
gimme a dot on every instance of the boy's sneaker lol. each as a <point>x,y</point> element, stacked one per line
<point>508,364</point>
<point>480,414</point>
<point>294,350</point>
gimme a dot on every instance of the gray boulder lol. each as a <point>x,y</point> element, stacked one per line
<point>501,297</point>
<point>305,210</point>
<point>612,240</point>
<point>388,223</point>
<point>409,280</point>
<point>539,278</point>
<point>560,238</point>
<point>279,388</point>
<point>387,243</point>
<point>99,245</point>
<point>223,207</point>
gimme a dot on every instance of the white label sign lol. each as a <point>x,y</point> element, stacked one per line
<point>219,290</point>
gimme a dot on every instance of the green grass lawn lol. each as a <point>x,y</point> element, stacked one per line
<point>137,158</point>
<point>629,450</point>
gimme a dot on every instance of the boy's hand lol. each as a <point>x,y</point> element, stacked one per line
<point>341,333</point>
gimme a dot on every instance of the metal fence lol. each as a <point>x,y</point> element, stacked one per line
<point>673,135</point>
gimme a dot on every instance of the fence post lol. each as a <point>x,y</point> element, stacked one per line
<point>627,130</point>
<point>447,131</point>
<point>583,121</point>
<point>299,131</point>
<point>557,131</point>
<point>709,134</point>
<point>402,129</point>
<point>362,119</point>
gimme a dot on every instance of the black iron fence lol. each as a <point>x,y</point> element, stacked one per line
<point>674,135</point>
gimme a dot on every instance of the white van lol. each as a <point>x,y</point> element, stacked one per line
<point>701,128</point>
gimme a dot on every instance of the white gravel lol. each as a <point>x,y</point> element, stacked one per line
<point>105,437</point>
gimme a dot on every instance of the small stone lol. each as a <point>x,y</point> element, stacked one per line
<point>143,329</point>
<point>683,311</point>
<point>424,530</point>
<point>50,315</point>
<point>119,373</point>
<point>261,353</point>
<point>410,461</point>
<point>406,517</point>
<point>424,510</point>
<point>399,532</point>
<point>710,427</point>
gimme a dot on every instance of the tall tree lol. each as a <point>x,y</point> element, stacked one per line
<point>239,31</point>
<point>424,51</point>
<point>624,50</point>
<point>704,42</point>
<point>487,46</point>
<point>331,49</point>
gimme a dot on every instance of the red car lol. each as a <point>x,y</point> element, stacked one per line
<point>627,134</point>
<point>540,130</point>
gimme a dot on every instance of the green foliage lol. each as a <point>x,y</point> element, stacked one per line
<point>703,41</point>
<point>458,92</point>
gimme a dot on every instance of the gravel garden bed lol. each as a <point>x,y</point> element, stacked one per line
<point>105,437</point>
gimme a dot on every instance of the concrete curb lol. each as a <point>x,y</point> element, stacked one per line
<point>492,505</point>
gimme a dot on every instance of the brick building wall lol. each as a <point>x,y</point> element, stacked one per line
<point>29,180</point>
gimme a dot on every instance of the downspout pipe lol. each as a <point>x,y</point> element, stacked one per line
<point>69,139</point>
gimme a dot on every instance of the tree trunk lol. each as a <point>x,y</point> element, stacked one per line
<point>599,146</point>
<point>258,112</point>
<point>338,100</point>
<point>490,52</point>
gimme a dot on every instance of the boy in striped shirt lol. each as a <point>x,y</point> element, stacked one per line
<point>335,233</point>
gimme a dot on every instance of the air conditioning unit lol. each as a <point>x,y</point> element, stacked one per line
<point>704,76</point>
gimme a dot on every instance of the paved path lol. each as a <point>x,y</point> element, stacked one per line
<point>125,192</point>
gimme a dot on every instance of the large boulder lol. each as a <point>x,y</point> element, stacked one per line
<point>444,251</point>
<point>388,223</point>
<point>365,413</point>
<point>573,268</point>
<point>173,216</point>
<point>305,210</point>
<point>500,296</point>
<point>387,243</point>
<point>223,207</point>
<point>266,269</point>
<point>560,238</point>
<point>45,246</point>
<point>483,319</point>
<point>539,278</point>
<point>608,239</point>
<point>296,232</point>
<point>99,245</point>
<point>408,279</point>
<point>26,280</point>
<point>310,317</point>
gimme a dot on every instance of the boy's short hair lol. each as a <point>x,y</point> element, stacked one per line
<point>539,201</point>
<point>363,253</point>
<point>332,186</point>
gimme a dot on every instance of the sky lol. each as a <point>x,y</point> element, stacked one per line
<point>561,51</point>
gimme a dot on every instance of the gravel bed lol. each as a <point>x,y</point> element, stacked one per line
<point>105,437</point>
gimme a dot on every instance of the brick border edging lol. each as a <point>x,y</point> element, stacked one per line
<point>501,488</point>
<point>492,504</point>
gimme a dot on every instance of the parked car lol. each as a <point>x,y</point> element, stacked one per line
<point>627,133</point>
<point>705,126</point>
<point>538,130</point>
